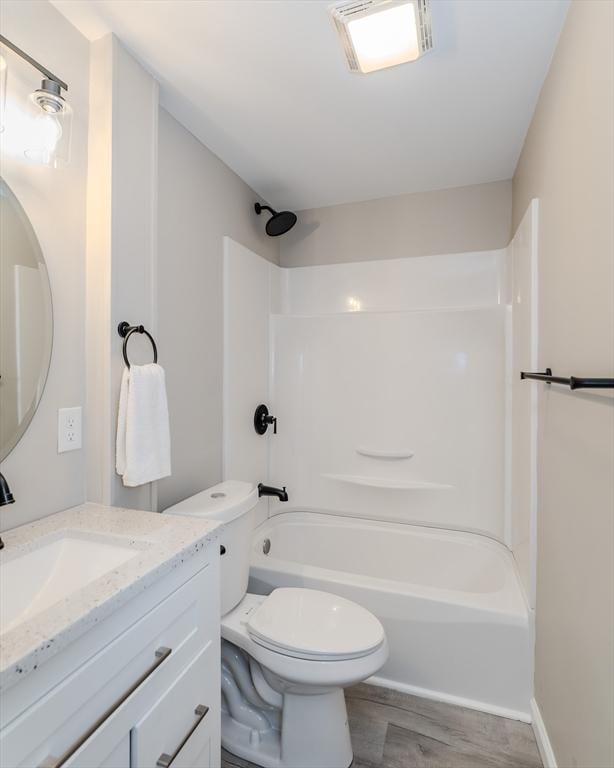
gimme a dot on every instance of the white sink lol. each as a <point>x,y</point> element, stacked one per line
<point>32,582</point>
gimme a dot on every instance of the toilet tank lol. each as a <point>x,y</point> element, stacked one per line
<point>232,503</point>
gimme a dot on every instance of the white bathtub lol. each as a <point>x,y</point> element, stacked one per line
<point>450,602</point>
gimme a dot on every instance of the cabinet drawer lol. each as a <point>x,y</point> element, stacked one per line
<point>179,730</point>
<point>59,720</point>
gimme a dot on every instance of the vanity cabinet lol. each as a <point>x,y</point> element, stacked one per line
<point>142,690</point>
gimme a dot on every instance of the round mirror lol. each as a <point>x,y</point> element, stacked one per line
<point>26,321</point>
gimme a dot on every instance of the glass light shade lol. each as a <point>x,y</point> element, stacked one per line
<point>50,128</point>
<point>385,38</point>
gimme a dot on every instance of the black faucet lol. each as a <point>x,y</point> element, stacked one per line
<point>6,497</point>
<point>263,420</point>
<point>268,490</point>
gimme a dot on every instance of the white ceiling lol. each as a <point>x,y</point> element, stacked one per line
<point>265,85</point>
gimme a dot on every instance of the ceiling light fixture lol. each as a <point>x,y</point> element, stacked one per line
<point>49,135</point>
<point>377,34</point>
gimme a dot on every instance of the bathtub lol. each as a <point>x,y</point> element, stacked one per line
<point>450,602</point>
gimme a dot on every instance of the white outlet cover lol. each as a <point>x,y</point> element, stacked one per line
<point>69,429</point>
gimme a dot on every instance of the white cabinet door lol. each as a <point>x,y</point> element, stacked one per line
<point>108,748</point>
<point>119,756</point>
<point>179,730</point>
<point>102,753</point>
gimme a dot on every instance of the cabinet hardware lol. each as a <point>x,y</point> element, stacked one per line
<point>165,761</point>
<point>56,762</point>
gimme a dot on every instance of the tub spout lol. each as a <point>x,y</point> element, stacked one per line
<point>269,490</point>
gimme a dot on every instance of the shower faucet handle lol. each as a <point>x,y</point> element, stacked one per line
<point>263,420</point>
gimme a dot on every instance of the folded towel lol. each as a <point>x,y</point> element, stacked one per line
<point>143,449</point>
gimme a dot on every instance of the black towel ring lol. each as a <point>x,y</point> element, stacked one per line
<point>126,330</point>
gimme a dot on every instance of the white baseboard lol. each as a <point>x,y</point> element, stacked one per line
<point>541,736</point>
<point>447,698</point>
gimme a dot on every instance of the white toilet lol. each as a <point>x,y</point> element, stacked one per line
<point>287,657</point>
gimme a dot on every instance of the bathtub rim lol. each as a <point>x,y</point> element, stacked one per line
<point>514,611</point>
<point>276,509</point>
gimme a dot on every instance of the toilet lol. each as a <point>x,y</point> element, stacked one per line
<point>286,657</point>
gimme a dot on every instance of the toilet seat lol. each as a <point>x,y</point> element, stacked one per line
<point>317,671</point>
<point>314,625</point>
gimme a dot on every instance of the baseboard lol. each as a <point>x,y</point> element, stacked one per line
<point>541,736</point>
<point>447,698</point>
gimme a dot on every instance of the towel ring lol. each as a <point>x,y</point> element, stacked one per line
<point>126,330</point>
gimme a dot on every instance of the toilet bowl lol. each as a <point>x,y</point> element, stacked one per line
<point>286,657</point>
<point>303,647</point>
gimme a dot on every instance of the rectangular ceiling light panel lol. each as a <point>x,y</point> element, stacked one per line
<point>376,34</point>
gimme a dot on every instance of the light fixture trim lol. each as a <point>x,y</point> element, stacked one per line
<point>377,34</point>
<point>48,132</point>
<point>49,98</point>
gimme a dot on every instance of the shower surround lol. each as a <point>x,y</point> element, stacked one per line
<point>391,384</point>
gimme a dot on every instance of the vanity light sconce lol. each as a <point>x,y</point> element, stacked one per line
<point>50,141</point>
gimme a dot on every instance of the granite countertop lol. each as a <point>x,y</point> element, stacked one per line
<point>160,543</point>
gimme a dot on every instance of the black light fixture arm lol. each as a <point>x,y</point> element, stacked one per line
<point>37,65</point>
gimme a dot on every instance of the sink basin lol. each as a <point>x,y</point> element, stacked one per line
<point>32,582</point>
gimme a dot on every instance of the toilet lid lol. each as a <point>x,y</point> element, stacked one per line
<point>310,624</point>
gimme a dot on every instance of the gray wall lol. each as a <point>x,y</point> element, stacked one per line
<point>475,218</point>
<point>199,201</point>
<point>42,480</point>
<point>121,233</point>
<point>567,162</point>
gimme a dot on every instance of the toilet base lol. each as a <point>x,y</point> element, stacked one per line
<point>314,734</point>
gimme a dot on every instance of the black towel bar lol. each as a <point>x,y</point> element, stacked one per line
<point>573,382</point>
<point>126,330</point>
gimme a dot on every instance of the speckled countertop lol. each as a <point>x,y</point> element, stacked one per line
<point>160,543</point>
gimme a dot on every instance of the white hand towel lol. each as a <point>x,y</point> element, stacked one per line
<point>143,449</point>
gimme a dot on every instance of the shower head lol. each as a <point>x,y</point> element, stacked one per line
<point>279,223</point>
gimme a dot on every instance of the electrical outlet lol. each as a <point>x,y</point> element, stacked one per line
<point>69,429</point>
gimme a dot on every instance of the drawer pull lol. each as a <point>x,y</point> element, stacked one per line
<point>56,762</point>
<point>165,761</point>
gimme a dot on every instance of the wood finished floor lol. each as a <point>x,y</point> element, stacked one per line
<point>394,730</point>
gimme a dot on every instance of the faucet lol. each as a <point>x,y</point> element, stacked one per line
<point>6,497</point>
<point>268,490</point>
<point>263,420</point>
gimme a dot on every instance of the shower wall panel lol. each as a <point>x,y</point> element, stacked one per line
<point>393,415</point>
<point>387,379</point>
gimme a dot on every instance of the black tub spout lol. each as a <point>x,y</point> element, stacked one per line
<point>268,490</point>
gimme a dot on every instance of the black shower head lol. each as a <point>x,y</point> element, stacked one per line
<point>279,223</point>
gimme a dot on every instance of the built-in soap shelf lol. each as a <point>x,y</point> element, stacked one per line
<point>387,483</point>
<point>390,455</point>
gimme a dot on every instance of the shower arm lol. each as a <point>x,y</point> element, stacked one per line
<point>260,207</point>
